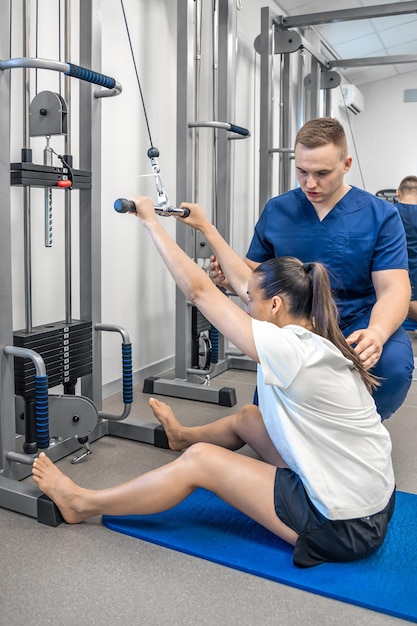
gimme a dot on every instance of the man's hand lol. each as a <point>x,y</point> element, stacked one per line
<point>368,345</point>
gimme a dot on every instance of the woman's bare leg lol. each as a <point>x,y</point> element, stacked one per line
<point>232,432</point>
<point>222,432</point>
<point>245,483</point>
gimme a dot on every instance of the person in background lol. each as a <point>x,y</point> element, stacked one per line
<point>325,483</point>
<point>361,241</point>
<point>406,206</point>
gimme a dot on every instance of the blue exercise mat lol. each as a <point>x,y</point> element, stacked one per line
<point>205,526</point>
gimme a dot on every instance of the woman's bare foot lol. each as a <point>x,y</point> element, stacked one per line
<point>62,490</point>
<point>173,429</point>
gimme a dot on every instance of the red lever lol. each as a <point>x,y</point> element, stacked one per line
<point>64,183</point>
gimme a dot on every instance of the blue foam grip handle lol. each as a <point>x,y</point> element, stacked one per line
<point>90,77</point>
<point>214,340</point>
<point>41,411</point>
<point>121,205</point>
<point>239,130</point>
<point>127,373</point>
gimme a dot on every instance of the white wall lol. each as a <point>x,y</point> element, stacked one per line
<point>385,133</point>
<point>138,292</point>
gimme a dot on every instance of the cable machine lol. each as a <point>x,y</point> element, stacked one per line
<point>200,353</point>
<point>64,353</point>
<point>313,90</point>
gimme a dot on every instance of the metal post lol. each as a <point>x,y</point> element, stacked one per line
<point>215,102</point>
<point>7,421</point>
<point>266,120</point>
<point>90,200</point>
<point>327,102</point>
<point>314,89</point>
<point>185,112</point>
<point>197,75</point>
<point>300,90</point>
<point>226,99</point>
<point>26,190</point>
<point>68,154</point>
<point>25,74</point>
<point>285,125</point>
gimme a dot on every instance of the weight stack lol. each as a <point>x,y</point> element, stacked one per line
<point>199,326</point>
<point>66,349</point>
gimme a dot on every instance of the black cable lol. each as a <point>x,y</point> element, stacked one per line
<point>59,44</point>
<point>36,44</point>
<point>137,73</point>
<point>10,28</point>
<point>65,164</point>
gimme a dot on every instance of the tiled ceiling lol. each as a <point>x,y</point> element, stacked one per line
<point>361,38</point>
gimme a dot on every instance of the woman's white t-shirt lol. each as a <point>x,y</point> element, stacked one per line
<point>323,421</point>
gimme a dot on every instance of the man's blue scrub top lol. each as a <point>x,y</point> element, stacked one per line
<point>361,234</point>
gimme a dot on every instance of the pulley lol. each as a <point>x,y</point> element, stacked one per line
<point>48,115</point>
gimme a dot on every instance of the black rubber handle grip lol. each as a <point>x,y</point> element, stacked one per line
<point>239,130</point>
<point>121,205</point>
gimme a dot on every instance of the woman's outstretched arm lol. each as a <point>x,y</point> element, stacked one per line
<point>196,285</point>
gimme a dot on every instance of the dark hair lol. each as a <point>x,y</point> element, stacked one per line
<point>306,287</point>
<point>409,183</point>
<point>321,131</point>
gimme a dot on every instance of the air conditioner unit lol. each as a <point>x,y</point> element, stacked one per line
<point>352,99</point>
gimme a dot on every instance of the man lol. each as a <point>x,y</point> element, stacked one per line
<point>407,208</point>
<point>360,239</point>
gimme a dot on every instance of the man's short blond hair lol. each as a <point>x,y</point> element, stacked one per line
<point>321,131</point>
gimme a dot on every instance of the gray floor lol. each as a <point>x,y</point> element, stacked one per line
<point>86,574</point>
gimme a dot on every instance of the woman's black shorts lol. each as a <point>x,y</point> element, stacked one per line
<point>321,539</point>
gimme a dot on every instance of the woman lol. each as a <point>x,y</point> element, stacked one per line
<point>325,484</point>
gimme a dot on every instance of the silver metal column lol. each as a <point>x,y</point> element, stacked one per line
<point>265,110</point>
<point>90,200</point>
<point>314,100</point>
<point>7,411</point>
<point>68,152</point>
<point>185,113</point>
<point>226,112</point>
<point>26,190</point>
<point>285,125</point>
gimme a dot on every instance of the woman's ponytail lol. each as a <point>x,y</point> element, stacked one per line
<point>309,295</point>
<point>325,321</point>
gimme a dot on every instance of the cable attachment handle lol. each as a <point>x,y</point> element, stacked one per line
<point>163,207</point>
<point>153,154</point>
<point>122,205</point>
